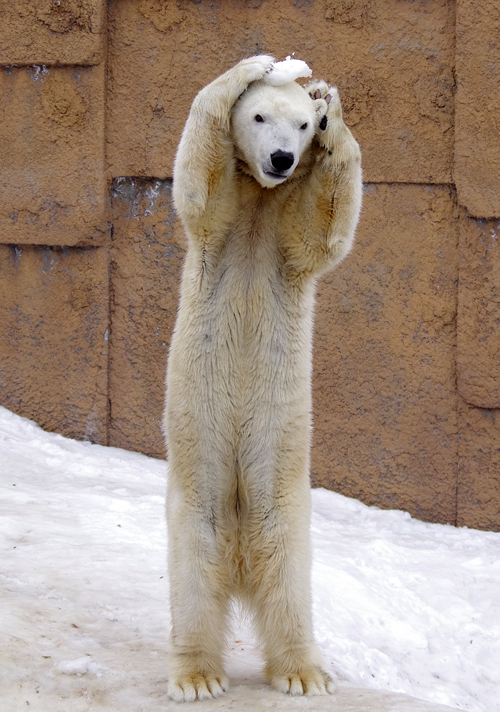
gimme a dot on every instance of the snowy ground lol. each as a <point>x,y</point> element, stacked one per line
<point>398,604</point>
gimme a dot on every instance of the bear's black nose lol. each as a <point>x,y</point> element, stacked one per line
<point>281,160</point>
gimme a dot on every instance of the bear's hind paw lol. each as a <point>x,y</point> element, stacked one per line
<point>310,681</point>
<point>188,688</point>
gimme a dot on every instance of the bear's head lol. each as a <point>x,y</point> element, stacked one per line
<point>272,127</point>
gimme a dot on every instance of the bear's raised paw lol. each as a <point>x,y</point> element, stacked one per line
<point>321,90</point>
<point>257,67</point>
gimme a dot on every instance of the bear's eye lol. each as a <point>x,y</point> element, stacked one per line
<point>303,127</point>
<point>259,118</point>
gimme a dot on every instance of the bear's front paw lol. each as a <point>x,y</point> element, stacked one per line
<point>327,103</point>
<point>332,134</point>
<point>257,67</point>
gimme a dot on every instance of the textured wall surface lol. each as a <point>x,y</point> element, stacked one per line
<point>52,155</point>
<point>54,337</point>
<point>477,145</point>
<point>478,467</point>
<point>385,400</point>
<point>93,98</point>
<point>478,357</point>
<point>393,63</point>
<point>147,254</point>
<point>52,31</point>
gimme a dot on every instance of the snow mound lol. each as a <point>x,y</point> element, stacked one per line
<point>398,604</point>
<point>80,666</point>
<point>287,71</point>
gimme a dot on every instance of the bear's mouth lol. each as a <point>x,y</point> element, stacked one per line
<point>276,176</point>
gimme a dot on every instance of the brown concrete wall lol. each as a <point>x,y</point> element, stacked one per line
<point>93,98</point>
<point>393,63</point>
<point>54,337</point>
<point>477,145</point>
<point>385,347</point>
<point>147,254</point>
<point>478,356</point>
<point>48,32</point>
<point>52,155</point>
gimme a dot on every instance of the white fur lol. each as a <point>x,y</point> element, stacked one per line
<point>287,71</point>
<point>283,110</point>
<point>238,382</point>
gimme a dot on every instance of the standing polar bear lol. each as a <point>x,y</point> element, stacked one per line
<point>267,183</point>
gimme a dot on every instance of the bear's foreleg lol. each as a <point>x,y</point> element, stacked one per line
<point>203,184</point>
<point>320,227</point>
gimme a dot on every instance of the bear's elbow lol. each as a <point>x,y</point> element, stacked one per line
<point>339,248</point>
<point>188,201</point>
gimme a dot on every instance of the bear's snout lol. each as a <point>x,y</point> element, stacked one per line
<point>282,160</point>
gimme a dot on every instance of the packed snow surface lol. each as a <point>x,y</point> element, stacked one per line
<point>399,605</point>
<point>287,71</point>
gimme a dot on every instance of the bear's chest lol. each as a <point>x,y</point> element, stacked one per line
<point>249,273</point>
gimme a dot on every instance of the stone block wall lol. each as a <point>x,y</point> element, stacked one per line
<point>93,98</point>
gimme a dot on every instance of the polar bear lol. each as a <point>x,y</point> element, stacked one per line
<point>267,183</point>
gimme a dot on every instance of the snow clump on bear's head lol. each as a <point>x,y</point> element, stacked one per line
<point>272,127</point>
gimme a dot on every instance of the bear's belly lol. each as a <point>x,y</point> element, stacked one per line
<point>242,342</point>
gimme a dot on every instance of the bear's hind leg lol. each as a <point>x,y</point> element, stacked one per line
<point>281,603</point>
<point>199,604</point>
